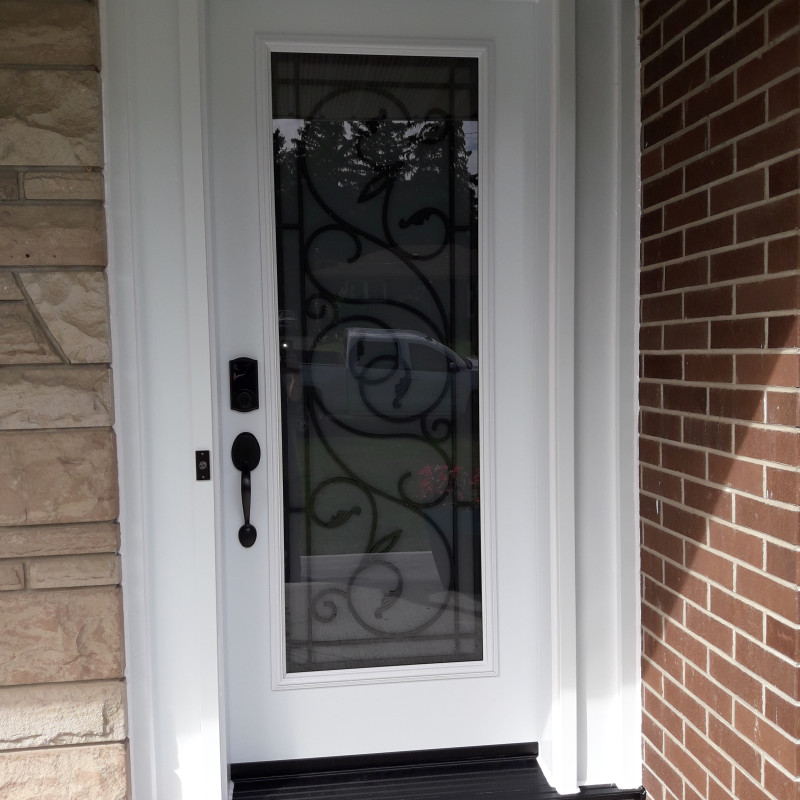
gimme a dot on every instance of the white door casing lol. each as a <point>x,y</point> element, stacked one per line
<point>412,708</point>
<point>153,81</point>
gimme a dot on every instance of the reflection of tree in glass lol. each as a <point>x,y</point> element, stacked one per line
<point>352,162</point>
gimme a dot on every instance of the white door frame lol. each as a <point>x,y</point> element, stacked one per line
<point>166,386</point>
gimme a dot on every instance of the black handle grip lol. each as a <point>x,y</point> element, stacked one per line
<point>246,455</point>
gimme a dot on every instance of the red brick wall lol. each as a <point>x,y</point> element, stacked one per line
<point>719,368</point>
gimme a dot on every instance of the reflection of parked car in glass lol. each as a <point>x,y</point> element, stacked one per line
<point>394,374</point>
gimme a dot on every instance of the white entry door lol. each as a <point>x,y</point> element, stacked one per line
<point>373,185</point>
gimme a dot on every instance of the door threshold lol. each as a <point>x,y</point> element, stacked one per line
<point>472,773</point>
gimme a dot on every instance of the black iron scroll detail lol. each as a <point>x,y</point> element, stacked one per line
<point>374,162</point>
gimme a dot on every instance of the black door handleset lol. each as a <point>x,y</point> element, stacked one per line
<point>246,455</point>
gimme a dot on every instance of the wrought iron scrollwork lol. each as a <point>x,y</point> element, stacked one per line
<point>341,266</point>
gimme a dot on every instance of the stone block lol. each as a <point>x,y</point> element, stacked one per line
<point>57,477</point>
<point>56,34</point>
<point>55,397</point>
<point>87,185</point>
<point>50,117</point>
<point>52,235</point>
<point>8,287</point>
<point>22,340</point>
<point>74,307</point>
<point>59,540</point>
<point>65,571</point>
<point>61,635</point>
<point>62,714</point>
<point>9,185</point>
<point>94,772</point>
<point>12,576</point>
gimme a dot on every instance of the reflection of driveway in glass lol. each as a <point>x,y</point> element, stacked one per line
<point>396,375</point>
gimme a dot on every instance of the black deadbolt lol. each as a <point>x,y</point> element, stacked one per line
<point>244,384</point>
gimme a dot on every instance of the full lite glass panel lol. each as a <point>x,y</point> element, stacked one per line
<point>376,197</point>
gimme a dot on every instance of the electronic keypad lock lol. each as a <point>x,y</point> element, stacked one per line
<point>244,384</point>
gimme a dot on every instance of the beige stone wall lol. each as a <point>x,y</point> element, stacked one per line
<point>62,696</point>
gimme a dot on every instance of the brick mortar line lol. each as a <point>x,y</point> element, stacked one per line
<point>719,553</point>
<point>666,44</point>
<point>73,429</point>
<point>770,427</point>
<point>709,484</point>
<point>759,315</point>
<point>736,171</point>
<point>717,418</point>
<point>730,559</point>
<point>24,559</point>
<point>40,366</point>
<point>695,223</point>
<point>731,69</point>
<point>25,202</point>
<point>769,538</point>
<point>668,795</point>
<point>718,148</point>
<point>116,588</point>
<point>772,388</point>
<point>711,80</point>
<point>709,774</point>
<point>36,590</point>
<point>683,776</point>
<point>739,99</point>
<point>51,525</point>
<point>734,593</point>
<point>723,351</point>
<point>699,448</point>
<point>736,630</point>
<point>728,756</point>
<point>722,720</point>
<point>709,187</point>
<point>718,518</point>
<point>78,746</point>
<point>717,685</point>
<point>760,680</point>
<point>12,67</point>
<point>61,169</point>
<point>39,269</point>
<point>76,683</point>
<point>733,283</point>
<point>792,469</point>
<point>733,247</point>
<point>730,248</point>
<point>767,5</point>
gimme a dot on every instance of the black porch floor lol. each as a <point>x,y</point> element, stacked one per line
<point>471,774</point>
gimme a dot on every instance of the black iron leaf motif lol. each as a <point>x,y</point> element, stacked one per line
<point>340,517</point>
<point>386,543</point>
<point>417,218</point>
<point>401,388</point>
<point>389,599</point>
<point>375,186</point>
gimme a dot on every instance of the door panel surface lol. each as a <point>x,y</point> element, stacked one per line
<point>387,603</point>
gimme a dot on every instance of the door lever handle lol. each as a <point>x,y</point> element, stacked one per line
<point>246,455</point>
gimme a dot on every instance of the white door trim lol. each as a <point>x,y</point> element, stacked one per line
<point>482,52</point>
<point>165,392</point>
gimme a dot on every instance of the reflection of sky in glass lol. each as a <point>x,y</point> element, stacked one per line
<point>471,139</point>
<point>290,128</point>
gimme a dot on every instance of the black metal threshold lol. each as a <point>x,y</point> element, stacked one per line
<point>472,773</point>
